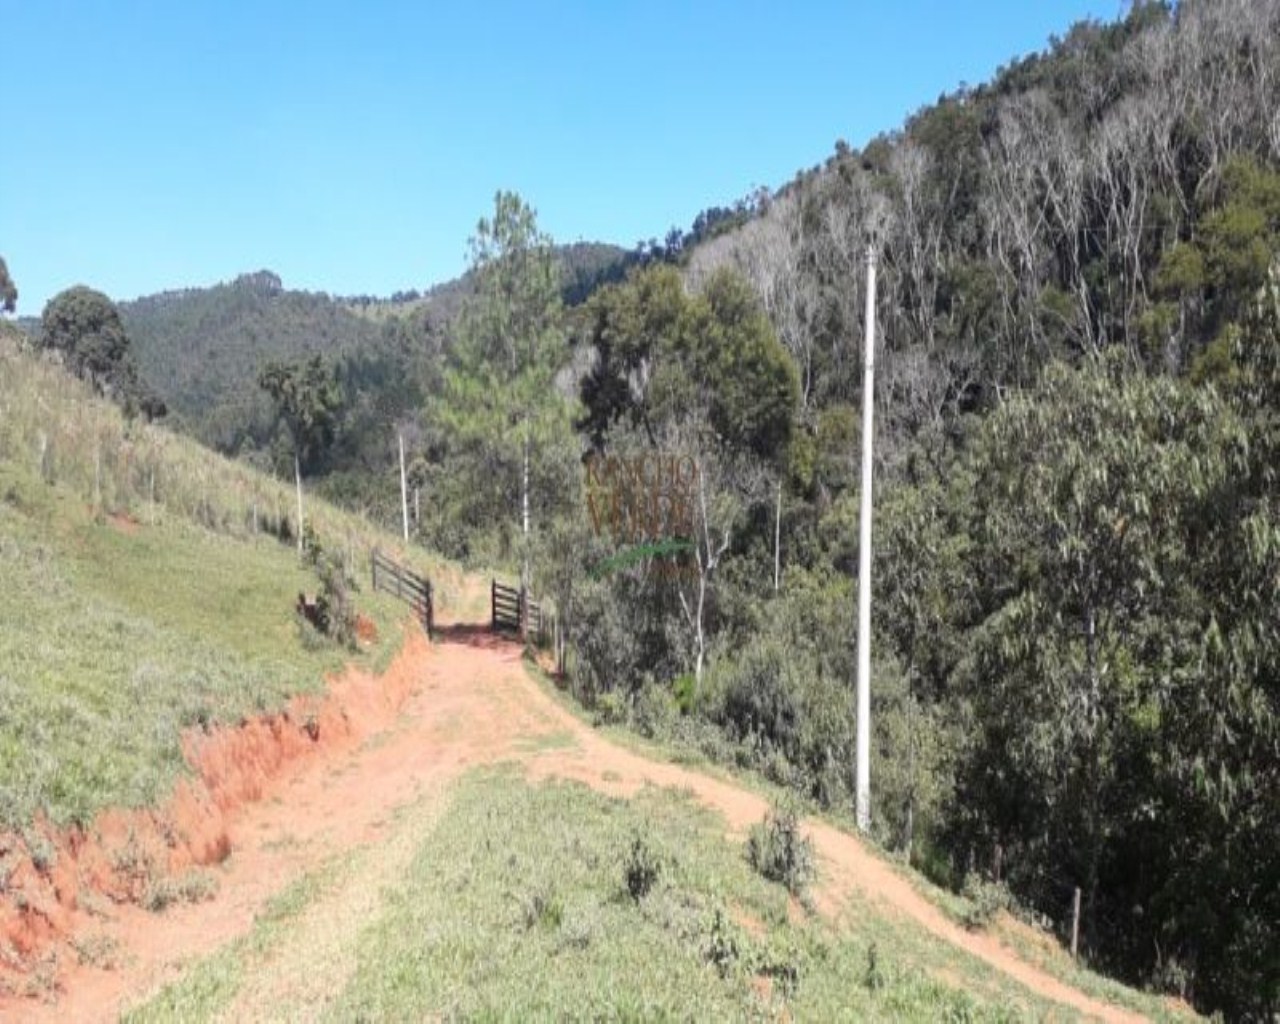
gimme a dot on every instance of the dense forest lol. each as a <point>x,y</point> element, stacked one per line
<point>1076,674</point>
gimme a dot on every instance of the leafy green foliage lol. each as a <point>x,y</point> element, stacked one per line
<point>662,353</point>
<point>505,427</point>
<point>85,327</point>
<point>780,851</point>
<point>641,869</point>
<point>986,899</point>
<point>309,400</point>
<point>8,290</point>
<point>335,610</point>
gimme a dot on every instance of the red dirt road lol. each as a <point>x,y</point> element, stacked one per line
<point>462,702</point>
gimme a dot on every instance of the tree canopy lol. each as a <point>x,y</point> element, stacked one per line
<point>309,401</point>
<point>8,290</point>
<point>505,423</point>
<point>84,326</point>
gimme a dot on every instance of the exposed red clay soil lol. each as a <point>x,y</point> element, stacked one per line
<point>271,803</point>
<point>47,898</point>
<point>366,630</point>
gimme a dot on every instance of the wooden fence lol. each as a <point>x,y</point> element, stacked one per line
<point>506,603</point>
<point>393,578</point>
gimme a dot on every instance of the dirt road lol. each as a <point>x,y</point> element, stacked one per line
<point>471,703</point>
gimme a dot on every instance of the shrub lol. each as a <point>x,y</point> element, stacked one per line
<point>655,711</point>
<point>610,709</point>
<point>604,643</point>
<point>724,948</point>
<point>192,887</point>
<point>783,962</point>
<point>873,977</point>
<point>312,550</point>
<point>684,688</point>
<point>757,700</point>
<point>986,899</point>
<point>335,612</point>
<point>781,852</point>
<point>641,869</point>
<point>541,906</point>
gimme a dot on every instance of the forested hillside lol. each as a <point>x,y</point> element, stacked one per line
<point>1077,558</point>
<point>203,350</point>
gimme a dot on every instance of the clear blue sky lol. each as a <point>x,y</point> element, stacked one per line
<point>352,148</point>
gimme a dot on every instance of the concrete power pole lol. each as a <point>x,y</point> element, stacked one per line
<point>404,493</point>
<point>863,778</point>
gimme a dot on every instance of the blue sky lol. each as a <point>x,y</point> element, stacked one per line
<point>352,148</point>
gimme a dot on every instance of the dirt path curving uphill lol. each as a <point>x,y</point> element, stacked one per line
<point>471,702</point>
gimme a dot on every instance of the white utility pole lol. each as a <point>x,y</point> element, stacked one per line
<point>404,493</point>
<point>862,794</point>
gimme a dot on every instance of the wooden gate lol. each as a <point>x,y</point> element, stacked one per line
<point>508,604</point>
<point>393,578</point>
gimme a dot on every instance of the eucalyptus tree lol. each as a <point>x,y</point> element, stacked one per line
<point>1091,492</point>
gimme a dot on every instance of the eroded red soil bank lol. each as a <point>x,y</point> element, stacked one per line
<point>54,885</point>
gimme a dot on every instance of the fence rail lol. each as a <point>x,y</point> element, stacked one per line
<point>507,603</point>
<point>393,578</point>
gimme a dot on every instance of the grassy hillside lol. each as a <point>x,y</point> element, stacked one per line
<point>138,598</point>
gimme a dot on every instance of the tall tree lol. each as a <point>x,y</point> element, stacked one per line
<point>703,375</point>
<point>84,326</point>
<point>8,290</point>
<point>309,400</point>
<point>1093,495</point>
<point>501,402</point>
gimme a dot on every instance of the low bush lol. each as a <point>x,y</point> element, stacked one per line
<point>655,711</point>
<point>541,907</point>
<point>781,852</point>
<point>335,602</point>
<point>985,900</point>
<point>610,708</point>
<point>724,947</point>
<point>641,868</point>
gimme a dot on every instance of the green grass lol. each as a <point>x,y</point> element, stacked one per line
<point>516,909</point>
<point>1056,962</point>
<point>115,641</point>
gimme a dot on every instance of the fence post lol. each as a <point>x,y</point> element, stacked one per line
<point>493,606</point>
<point>373,559</point>
<point>1075,922</point>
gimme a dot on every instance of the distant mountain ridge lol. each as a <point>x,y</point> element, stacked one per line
<point>202,349</point>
